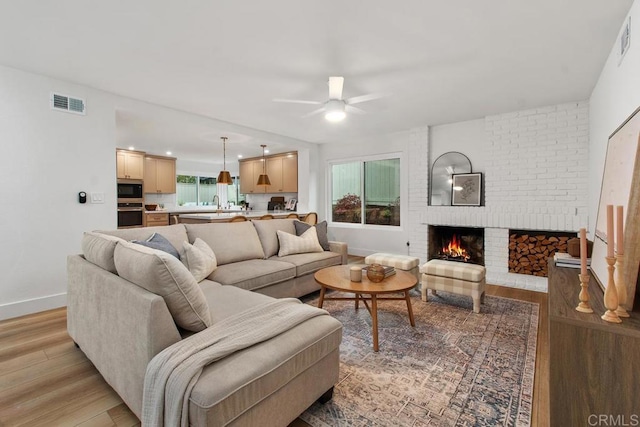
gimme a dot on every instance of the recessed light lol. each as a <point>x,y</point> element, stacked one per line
<point>168,153</point>
<point>132,148</point>
<point>239,156</point>
<point>266,151</point>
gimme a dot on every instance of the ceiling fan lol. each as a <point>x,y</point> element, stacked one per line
<point>335,108</point>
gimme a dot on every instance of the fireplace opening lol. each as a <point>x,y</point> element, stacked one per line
<point>462,244</point>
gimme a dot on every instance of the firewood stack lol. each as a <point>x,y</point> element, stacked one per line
<point>528,254</point>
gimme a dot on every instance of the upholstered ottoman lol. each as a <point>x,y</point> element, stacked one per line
<point>401,262</point>
<point>456,277</point>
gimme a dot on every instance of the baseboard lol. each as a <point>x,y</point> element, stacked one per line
<point>360,252</point>
<point>30,306</point>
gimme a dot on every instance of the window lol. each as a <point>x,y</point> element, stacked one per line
<point>366,192</point>
<point>199,191</point>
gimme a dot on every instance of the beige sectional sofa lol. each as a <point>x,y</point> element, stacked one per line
<point>121,325</point>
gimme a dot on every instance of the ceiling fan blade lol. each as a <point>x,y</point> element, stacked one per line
<point>352,109</point>
<point>365,98</point>
<point>335,87</point>
<point>313,113</point>
<point>298,101</point>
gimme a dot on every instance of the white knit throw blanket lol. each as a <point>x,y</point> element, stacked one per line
<point>172,373</point>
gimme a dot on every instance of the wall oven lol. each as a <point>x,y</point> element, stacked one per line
<point>130,189</point>
<point>130,213</point>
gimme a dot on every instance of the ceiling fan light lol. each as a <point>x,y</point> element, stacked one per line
<point>335,116</point>
<point>334,110</point>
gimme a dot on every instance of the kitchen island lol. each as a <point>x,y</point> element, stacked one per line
<point>199,218</point>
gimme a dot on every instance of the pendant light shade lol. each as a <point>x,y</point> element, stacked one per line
<point>264,178</point>
<point>224,177</point>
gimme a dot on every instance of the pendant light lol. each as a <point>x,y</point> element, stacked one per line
<point>264,178</point>
<point>224,177</point>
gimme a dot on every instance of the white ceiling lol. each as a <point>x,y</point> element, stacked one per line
<point>441,62</point>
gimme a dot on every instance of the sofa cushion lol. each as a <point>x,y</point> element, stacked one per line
<point>230,241</point>
<point>310,262</point>
<point>267,231</point>
<point>176,233</point>
<point>164,275</point>
<point>232,386</point>
<point>291,244</point>
<point>159,242</point>
<point>321,229</point>
<point>253,274</point>
<point>198,258</point>
<point>98,249</point>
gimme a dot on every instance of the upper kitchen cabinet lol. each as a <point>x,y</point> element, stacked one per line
<point>283,174</point>
<point>159,174</point>
<point>250,171</point>
<point>129,164</point>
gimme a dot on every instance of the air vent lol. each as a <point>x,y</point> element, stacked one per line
<point>66,103</point>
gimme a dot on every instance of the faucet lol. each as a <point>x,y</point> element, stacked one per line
<point>216,201</point>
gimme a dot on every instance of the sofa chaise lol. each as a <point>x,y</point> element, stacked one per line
<point>121,323</point>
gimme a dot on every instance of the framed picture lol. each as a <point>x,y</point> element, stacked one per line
<point>620,187</point>
<point>466,189</point>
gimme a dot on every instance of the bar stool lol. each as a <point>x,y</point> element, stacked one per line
<point>267,216</point>
<point>293,215</point>
<point>311,218</point>
<point>238,218</point>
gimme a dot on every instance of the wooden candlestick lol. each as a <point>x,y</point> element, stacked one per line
<point>621,289</point>
<point>584,306</point>
<point>611,294</point>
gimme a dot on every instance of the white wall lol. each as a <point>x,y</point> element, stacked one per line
<point>47,158</point>
<point>468,137</point>
<point>614,98</point>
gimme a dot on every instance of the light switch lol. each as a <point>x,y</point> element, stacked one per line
<point>97,197</point>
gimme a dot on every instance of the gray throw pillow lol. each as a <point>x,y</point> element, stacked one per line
<point>158,241</point>
<point>321,229</point>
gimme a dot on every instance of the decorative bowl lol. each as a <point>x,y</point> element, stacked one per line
<point>150,207</point>
<point>375,273</point>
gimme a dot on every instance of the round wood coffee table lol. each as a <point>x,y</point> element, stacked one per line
<point>337,278</point>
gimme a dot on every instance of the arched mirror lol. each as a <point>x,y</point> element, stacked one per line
<point>443,168</point>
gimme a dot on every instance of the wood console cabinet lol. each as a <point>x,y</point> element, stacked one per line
<point>159,174</point>
<point>594,365</point>
<point>129,164</point>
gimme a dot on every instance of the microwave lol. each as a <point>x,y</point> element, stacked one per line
<point>130,189</point>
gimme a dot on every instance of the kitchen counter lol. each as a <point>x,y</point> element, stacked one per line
<point>226,216</point>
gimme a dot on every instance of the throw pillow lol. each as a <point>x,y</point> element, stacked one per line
<point>321,229</point>
<point>98,249</point>
<point>162,274</point>
<point>307,242</point>
<point>158,241</point>
<point>198,258</point>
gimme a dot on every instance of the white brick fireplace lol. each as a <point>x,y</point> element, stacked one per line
<point>535,178</point>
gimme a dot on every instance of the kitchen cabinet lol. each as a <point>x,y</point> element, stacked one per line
<point>250,171</point>
<point>283,174</point>
<point>129,164</point>
<point>281,168</point>
<point>154,219</point>
<point>159,174</point>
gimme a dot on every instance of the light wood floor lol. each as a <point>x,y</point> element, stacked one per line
<point>46,381</point>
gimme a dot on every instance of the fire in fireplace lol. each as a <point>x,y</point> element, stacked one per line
<point>463,244</point>
<point>453,250</point>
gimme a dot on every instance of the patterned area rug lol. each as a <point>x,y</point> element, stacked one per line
<point>455,368</point>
